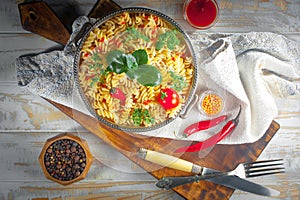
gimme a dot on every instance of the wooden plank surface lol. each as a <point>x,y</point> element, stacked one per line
<point>128,144</point>
<point>33,120</point>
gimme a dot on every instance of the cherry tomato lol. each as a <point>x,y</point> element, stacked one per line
<point>168,98</point>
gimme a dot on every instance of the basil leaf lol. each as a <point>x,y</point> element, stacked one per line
<point>122,63</point>
<point>113,55</point>
<point>146,75</point>
<point>117,66</point>
<point>130,61</point>
<point>141,56</point>
<point>132,73</point>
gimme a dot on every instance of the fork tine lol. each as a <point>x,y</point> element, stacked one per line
<point>264,170</point>
<point>262,161</point>
<point>263,167</point>
<point>263,174</point>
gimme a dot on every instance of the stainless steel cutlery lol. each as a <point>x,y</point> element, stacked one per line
<point>234,178</point>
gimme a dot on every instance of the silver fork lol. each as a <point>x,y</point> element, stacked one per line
<point>243,170</point>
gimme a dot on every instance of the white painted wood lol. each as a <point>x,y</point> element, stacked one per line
<point>27,121</point>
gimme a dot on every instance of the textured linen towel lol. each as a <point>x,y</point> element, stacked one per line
<point>248,70</point>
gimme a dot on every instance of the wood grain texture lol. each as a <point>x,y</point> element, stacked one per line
<point>102,8</point>
<point>129,144</point>
<point>221,157</point>
<point>33,120</point>
<point>36,17</point>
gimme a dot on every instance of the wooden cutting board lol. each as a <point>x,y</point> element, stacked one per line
<point>38,18</point>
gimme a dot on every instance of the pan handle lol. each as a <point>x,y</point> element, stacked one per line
<point>76,40</point>
<point>189,107</point>
<point>74,43</point>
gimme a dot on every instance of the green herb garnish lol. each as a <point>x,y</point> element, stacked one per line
<point>94,81</point>
<point>134,34</point>
<point>97,62</point>
<point>178,82</point>
<point>168,39</point>
<point>97,67</point>
<point>96,57</point>
<point>141,115</point>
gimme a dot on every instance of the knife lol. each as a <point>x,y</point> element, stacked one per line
<point>231,181</point>
<point>236,182</point>
<point>211,175</point>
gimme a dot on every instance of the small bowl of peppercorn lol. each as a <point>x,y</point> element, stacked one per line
<point>65,159</point>
<point>210,103</point>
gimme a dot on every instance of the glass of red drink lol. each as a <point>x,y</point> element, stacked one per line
<point>201,14</point>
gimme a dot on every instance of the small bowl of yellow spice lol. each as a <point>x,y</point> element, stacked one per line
<point>211,103</point>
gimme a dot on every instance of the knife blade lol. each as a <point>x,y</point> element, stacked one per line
<point>231,181</point>
<point>236,182</point>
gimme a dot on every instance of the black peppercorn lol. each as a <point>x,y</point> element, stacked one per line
<point>65,159</point>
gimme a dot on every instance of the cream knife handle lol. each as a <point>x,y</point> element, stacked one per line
<point>169,161</point>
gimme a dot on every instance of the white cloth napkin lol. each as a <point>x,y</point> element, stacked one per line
<point>248,70</point>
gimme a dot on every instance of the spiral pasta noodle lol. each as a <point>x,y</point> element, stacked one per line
<point>128,32</point>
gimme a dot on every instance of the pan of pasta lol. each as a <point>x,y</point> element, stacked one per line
<point>135,69</point>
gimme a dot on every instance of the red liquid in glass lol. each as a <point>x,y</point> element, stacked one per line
<point>201,13</point>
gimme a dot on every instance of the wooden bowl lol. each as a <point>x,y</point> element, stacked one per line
<point>65,159</point>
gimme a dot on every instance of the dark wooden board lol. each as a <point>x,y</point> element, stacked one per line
<point>221,157</point>
<point>40,19</point>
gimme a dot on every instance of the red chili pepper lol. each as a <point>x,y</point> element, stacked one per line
<point>228,128</point>
<point>119,94</point>
<point>203,125</point>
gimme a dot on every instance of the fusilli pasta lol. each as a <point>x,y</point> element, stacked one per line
<point>128,32</point>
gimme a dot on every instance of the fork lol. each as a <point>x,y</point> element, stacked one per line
<point>243,170</point>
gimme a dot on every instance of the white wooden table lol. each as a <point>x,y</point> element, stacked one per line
<point>26,120</point>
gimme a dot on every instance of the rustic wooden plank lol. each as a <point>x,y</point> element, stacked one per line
<point>218,157</point>
<point>102,8</point>
<point>127,144</point>
<point>287,141</point>
<point>283,17</point>
<point>15,45</point>
<point>32,20</point>
<point>236,15</point>
<point>20,110</point>
<point>96,190</point>
<point>21,158</point>
<point>24,175</point>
